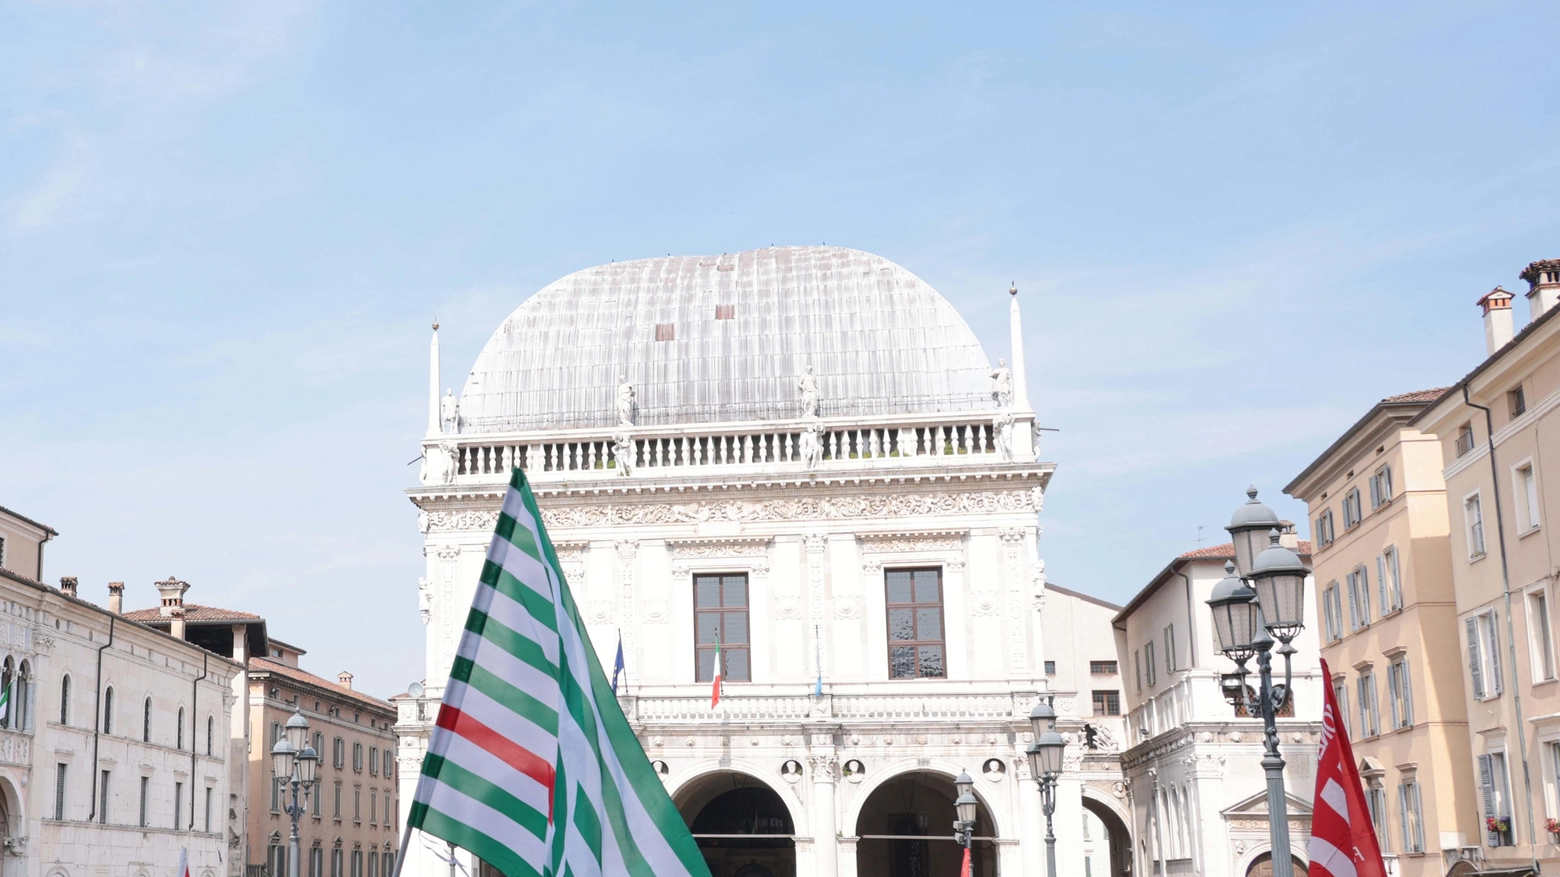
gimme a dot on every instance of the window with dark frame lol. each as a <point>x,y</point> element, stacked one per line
<point>1107,702</point>
<point>915,624</point>
<point>1102,668</point>
<point>720,608</point>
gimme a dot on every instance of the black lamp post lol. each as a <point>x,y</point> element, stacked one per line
<point>295,763</point>
<point>1045,765</point>
<point>1247,620</point>
<point>964,808</point>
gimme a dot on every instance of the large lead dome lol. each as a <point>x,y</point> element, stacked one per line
<point>706,338</point>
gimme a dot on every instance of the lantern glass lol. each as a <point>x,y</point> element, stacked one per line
<point>1033,754</point>
<point>1042,718</point>
<point>297,730</point>
<point>1234,614</point>
<point>964,785</point>
<point>308,764</point>
<point>1278,576</point>
<point>1051,746</point>
<point>1248,531</point>
<point>282,755</point>
<point>966,806</point>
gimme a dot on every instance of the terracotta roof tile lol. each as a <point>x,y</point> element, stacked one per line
<point>266,665</point>
<point>1417,396</point>
<point>1218,552</point>
<point>193,613</point>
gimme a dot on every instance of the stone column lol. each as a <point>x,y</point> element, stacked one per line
<point>1031,828</point>
<point>824,767</point>
<point>847,856</point>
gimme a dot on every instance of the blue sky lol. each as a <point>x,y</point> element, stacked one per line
<point>224,229</point>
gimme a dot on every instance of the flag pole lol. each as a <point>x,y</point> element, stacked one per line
<point>400,858</point>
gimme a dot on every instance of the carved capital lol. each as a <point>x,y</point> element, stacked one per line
<point>449,552</point>
<point>816,542</point>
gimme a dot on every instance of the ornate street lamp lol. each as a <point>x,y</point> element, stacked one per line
<point>964,807</point>
<point>295,764</point>
<point>1045,765</point>
<point>1249,531</point>
<point>1247,620</point>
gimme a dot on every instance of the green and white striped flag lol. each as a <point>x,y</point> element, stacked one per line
<point>532,765</point>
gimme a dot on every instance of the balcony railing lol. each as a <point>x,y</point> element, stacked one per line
<point>905,439</point>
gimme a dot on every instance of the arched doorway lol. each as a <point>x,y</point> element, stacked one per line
<point>1262,866</point>
<point>906,830</point>
<point>742,826</point>
<point>1117,840</point>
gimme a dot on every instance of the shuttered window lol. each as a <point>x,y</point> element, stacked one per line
<point>1410,819</point>
<point>1484,655</point>
<point>59,790</point>
<point>1495,799</point>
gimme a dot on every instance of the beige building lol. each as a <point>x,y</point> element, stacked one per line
<point>1499,435</point>
<point>1382,567</point>
<point>350,829</point>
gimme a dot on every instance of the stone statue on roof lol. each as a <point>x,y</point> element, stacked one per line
<point>811,446</point>
<point>807,389</point>
<point>1002,384</point>
<point>1002,429</point>
<point>449,411</point>
<point>625,401</point>
<point>623,452</point>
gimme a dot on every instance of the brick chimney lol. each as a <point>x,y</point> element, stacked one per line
<point>344,678</point>
<point>116,597</point>
<point>1543,279</point>
<point>68,585</point>
<point>1498,327</point>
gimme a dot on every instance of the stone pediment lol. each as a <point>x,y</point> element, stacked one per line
<point>1256,807</point>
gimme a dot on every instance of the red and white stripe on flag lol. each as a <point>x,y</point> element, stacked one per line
<point>1343,841</point>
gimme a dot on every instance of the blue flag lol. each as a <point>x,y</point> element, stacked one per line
<point>617,665</point>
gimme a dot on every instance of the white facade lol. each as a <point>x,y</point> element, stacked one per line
<point>906,461</point>
<point>170,754</point>
<point>1197,788</point>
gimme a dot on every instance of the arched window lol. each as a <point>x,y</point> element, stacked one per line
<point>211,731</point>
<point>23,696</point>
<point>65,699</point>
<point>180,734</point>
<point>7,696</point>
<point>146,721</point>
<point>108,710</point>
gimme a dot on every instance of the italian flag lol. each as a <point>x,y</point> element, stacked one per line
<point>532,765</point>
<point>5,703</point>
<point>715,689</point>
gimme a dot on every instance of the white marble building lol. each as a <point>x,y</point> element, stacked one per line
<point>807,449</point>
<point>114,751</point>
<point>1193,764</point>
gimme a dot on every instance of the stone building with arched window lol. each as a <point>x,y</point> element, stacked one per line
<point>806,453</point>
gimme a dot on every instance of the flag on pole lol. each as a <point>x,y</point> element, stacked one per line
<point>532,765</point>
<point>1343,841</point>
<point>617,664</point>
<point>715,689</point>
<point>5,702</point>
<point>184,862</point>
<point>964,869</point>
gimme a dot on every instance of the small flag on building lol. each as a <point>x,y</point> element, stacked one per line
<point>532,765</point>
<point>5,703</point>
<point>715,690</point>
<point>617,664</point>
<point>184,862</point>
<point>1343,841</point>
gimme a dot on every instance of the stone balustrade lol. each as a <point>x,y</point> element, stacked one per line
<point>731,447</point>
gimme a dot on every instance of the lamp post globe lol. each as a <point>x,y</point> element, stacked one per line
<point>964,785</point>
<point>297,730</point>
<point>966,805</point>
<point>1248,529</point>
<point>282,755</point>
<point>308,765</point>
<point>1042,718</point>
<point>1278,576</point>
<point>1234,608</point>
<point>1051,746</point>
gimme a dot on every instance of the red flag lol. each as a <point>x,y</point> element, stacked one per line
<point>964,870</point>
<point>1343,841</point>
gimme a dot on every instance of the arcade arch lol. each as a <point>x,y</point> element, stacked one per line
<point>744,827</point>
<point>905,826</point>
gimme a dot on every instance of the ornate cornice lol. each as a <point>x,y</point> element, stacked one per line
<point>718,547</point>
<point>657,511</point>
